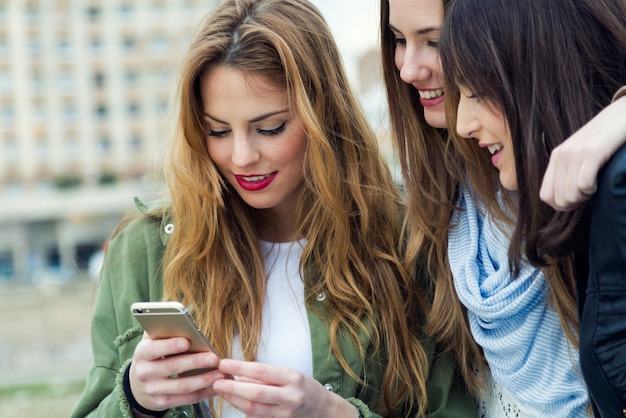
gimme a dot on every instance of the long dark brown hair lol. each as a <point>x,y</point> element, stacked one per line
<point>431,188</point>
<point>550,66</point>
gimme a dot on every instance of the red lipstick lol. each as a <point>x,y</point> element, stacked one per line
<point>260,181</point>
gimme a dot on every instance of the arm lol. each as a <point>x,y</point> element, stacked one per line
<point>130,274</point>
<point>571,174</point>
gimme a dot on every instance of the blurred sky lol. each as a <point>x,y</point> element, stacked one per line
<point>354,24</point>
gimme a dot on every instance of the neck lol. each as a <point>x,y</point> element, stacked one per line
<point>279,227</point>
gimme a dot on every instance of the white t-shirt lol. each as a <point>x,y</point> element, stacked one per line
<point>285,334</point>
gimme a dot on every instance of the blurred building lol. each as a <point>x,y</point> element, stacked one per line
<point>83,89</point>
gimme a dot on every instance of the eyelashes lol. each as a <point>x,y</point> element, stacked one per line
<point>266,132</point>
<point>272,132</point>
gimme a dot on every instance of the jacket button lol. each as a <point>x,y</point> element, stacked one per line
<point>320,297</point>
<point>169,228</point>
<point>328,387</point>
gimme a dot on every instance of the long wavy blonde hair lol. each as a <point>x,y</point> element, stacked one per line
<point>349,209</point>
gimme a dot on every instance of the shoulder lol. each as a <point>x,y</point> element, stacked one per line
<point>134,255</point>
<point>150,226</point>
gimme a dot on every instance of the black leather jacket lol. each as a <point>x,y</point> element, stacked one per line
<point>602,304</point>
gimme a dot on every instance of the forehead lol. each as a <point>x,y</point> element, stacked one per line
<point>415,16</point>
<point>233,95</point>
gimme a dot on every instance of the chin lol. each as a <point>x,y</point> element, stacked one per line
<point>508,184</point>
<point>436,118</point>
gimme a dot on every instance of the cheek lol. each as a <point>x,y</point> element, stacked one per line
<point>437,68</point>
<point>398,57</point>
<point>218,151</point>
<point>511,172</point>
<point>295,153</point>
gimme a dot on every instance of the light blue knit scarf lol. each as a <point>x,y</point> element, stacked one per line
<point>527,351</point>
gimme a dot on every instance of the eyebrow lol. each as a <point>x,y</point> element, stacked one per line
<point>257,119</point>
<point>422,31</point>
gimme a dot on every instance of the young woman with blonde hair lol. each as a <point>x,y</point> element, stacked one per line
<point>283,232</point>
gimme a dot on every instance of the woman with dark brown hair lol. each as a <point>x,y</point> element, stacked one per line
<point>522,76</point>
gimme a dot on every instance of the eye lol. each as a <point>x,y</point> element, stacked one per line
<point>399,41</point>
<point>433,43</point>
<point>273,132</point>
<point>217,134</point>
<point>471,94</point>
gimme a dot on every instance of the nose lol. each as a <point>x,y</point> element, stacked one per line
<point>413,64</point>
<point>467,125</point>
<point>244,152</point>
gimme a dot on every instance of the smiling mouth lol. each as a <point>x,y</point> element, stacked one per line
<point>494,148</point>
<point>255,182</point>
<point>253,179</point>
<point>430,94</point>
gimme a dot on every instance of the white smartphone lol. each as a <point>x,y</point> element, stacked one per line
<point>171,319</point>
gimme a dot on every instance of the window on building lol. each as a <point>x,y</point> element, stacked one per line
<point>39,111</point>
<point>133,109</point>
<point>37,81</point>
<point>72,149</point>
<point>70,114</point>
<point>3,10</point>
<point>136,144</point>
<point>66,81</point>
<point>95,45</point>
<point>94,13</point>
<point>4,45</point>
<point>99,79</point>
<point>101,111</point>
<point>32,11</point>
<point>104,145</point>
<point>10,150</point>
<point>6,265</point>
<point>42,149</point>
<point>131,77</point>
<point>64,48</point>
<point>159,45</point>
<point>129,44</point>
<point>34,48</point>
<point>8,114</point>
<point>5,80</point>
<point>126,10</point>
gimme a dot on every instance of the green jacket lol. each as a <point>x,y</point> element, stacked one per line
<point>132,272</point>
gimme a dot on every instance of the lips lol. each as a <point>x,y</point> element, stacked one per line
<point>431,97</point>
<point>255,182</point>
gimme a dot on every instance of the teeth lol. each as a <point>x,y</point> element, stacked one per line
<point>255,178</point>
<point>494,148</point>
<point>430,94</point>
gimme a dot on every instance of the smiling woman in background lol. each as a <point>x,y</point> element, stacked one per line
<point>488,315</point>
<point>532,79</point>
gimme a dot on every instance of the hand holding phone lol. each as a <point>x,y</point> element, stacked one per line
<point>171,319</point>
